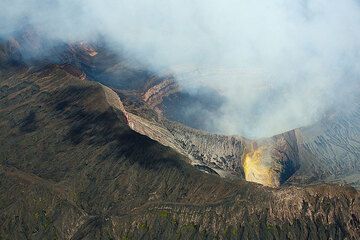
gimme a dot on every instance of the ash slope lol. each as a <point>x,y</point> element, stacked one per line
<point>71,168</point>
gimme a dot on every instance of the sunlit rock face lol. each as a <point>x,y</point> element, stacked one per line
<point>271,161</point>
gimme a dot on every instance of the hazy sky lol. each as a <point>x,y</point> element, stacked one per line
<point>279,64</point>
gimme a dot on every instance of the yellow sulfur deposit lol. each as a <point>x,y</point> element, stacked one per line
<point>256,171</point>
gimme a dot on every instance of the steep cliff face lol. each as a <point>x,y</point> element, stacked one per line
<point>221,153</point>
<point>72,168</point>
<point>269,162</point>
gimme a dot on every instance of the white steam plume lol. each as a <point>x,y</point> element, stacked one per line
<point>279,64</point>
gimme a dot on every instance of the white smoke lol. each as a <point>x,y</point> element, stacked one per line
<point>279,64</point>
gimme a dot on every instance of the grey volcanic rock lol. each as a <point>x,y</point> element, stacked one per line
<point>216,151</point>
